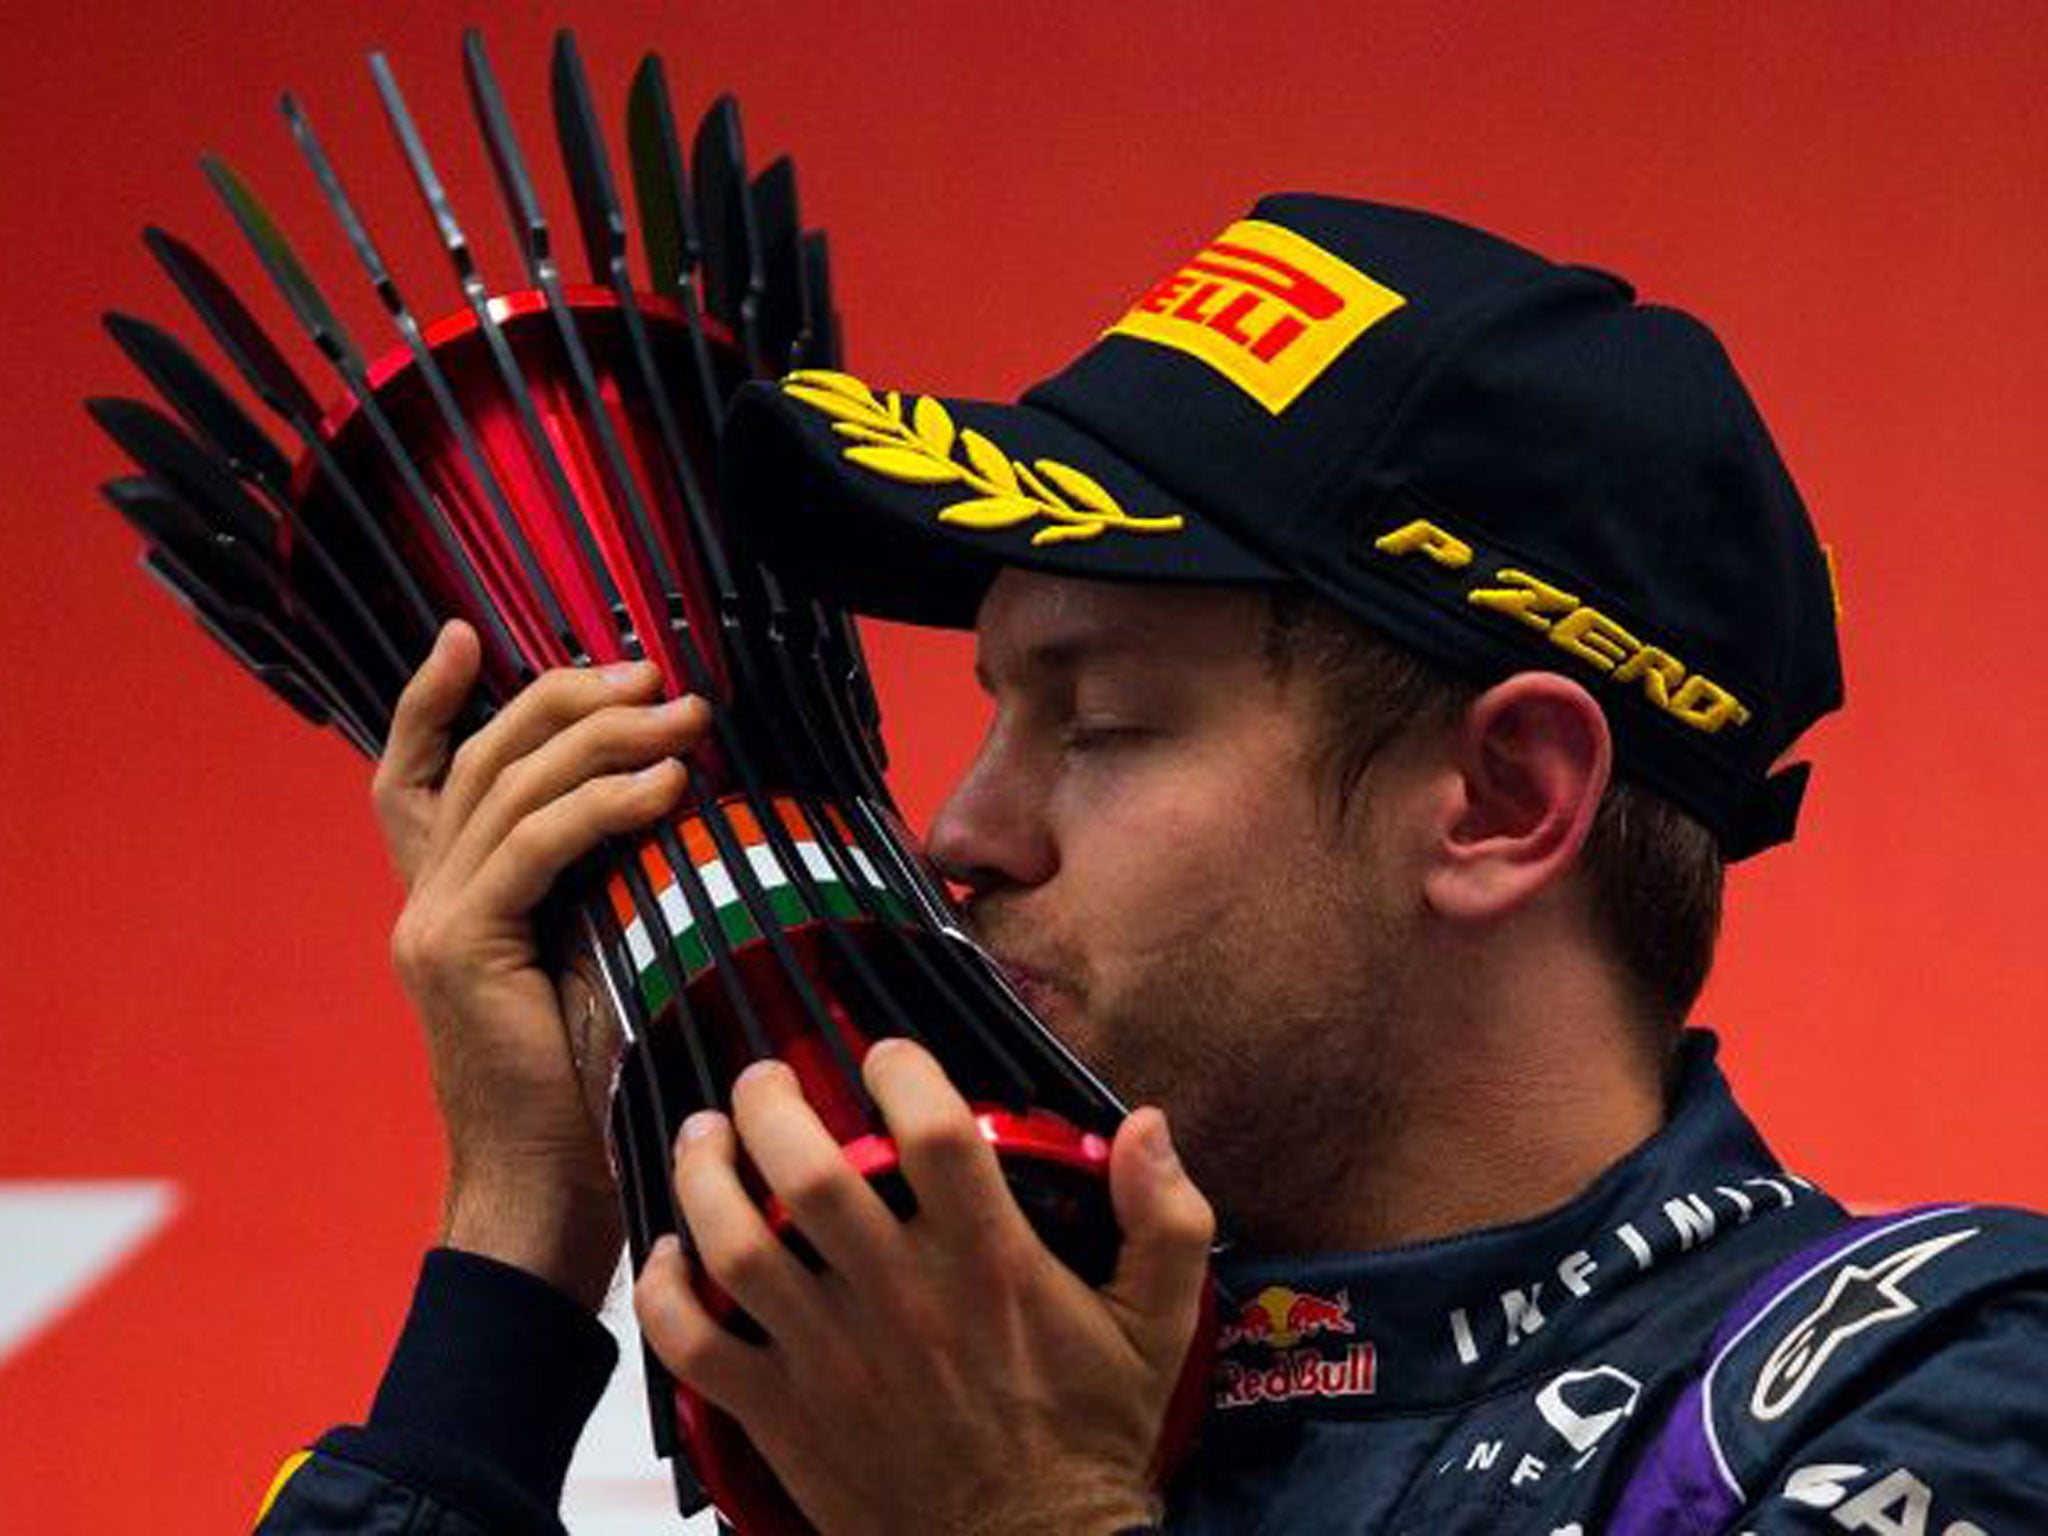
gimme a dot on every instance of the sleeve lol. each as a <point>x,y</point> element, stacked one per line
<point>474,1423</point>
<point>1897,1385</point>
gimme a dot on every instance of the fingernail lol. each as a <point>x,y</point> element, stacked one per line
<point>619,673</point>
<point>701,1124</point>
<point>1158,1145</point>
<point>767,1066</point>
<point>674,709</point>
<point>664,1248</point>
<point>653,771</point>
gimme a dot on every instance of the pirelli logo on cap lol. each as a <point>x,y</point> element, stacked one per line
<point>1265,307</point>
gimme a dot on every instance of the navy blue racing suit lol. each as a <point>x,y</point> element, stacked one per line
<point>1700,1342</point>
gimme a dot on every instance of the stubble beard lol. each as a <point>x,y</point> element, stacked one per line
<point>1279,1072</point>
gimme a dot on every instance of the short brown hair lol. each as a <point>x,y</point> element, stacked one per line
<point>1655,873</point>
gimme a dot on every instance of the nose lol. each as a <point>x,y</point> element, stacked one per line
<point>991,833</point>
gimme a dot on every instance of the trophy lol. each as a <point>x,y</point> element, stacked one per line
<point>541,463</point>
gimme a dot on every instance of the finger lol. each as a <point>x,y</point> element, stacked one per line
<point>951,1167</point>
<point>734,1242</point>
<point>544,708</point>
<point>836,1209</point>
<point>417,752</point>
<point>427,708</point>
<point>1167,1229</point>
<point>529,859</point>
<point>698,1350</point>
<point>616,739</point>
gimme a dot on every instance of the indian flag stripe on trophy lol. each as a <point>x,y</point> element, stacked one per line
<point>791,905</point>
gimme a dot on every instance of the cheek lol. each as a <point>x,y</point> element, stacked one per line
<point>1171,869</point>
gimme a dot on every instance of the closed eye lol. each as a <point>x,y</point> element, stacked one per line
<point>1085,736</point>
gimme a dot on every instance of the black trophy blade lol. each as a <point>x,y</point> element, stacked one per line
<point>263,368</point>
<point>247,345</point>
<point>603,223</point>
<point>239,445</point>
<point>515,187</point>
<point>530,228</point>
<point>510,376</point>
<point>242,573</point>
<point>249,644</point>
<point>427,365</point>
<point>661,182</point>
<point>253,643</point>
<point>668,222</point>
<point>240,589</point>
<point>208,409</point>
<point>784,321</point>
<point>188,471</point>
<point>733,276</point>
<point>325,330</point>
<point>289,275</point>
<point>599,217</point>
<point>823,346</point>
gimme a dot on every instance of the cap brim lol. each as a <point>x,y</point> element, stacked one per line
<point>906,506</point>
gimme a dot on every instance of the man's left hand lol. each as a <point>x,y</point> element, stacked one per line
<point>943,1373</point>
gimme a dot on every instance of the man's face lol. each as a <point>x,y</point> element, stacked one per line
<point>1149,851</point>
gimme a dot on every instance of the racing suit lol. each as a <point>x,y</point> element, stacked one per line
<point>1700,1342</point>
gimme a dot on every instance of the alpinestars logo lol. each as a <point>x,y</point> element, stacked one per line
<point>1859,1299</point>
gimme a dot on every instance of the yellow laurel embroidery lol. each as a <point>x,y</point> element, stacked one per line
<point>924,446</point>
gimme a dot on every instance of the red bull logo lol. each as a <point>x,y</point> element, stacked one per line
<point>1299,1373</point>
<point>1281,1317</point>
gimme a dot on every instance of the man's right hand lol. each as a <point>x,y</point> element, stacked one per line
<point>479,834</point>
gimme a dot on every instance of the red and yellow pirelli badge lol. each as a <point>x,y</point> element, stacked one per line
<point>1265,307</point>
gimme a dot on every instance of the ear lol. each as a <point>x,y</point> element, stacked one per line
<point>1530,763</point>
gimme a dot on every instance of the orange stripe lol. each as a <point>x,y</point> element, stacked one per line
<point>703,849</point>
<point>655,863</point>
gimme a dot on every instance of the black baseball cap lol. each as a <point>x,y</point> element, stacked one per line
<point>1496,461</point>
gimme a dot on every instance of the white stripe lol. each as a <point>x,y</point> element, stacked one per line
<point>639,946</point>
<point>675,912</point>
<point>718,886</point>
<point>722,893</point>
<point>821,867</point>
<point>767,868</point>
<point>1784,1294</point>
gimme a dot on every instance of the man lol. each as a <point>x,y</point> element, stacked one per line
<point>1390,633</point>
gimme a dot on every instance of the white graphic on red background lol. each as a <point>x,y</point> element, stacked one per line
<point>61,1237</point>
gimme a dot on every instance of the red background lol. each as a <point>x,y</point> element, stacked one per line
<point>193,903</point>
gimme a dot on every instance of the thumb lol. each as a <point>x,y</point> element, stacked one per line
<point>421,742</point>
<point>1168,1227</point>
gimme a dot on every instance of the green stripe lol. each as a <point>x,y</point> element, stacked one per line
<point>739,927</point>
